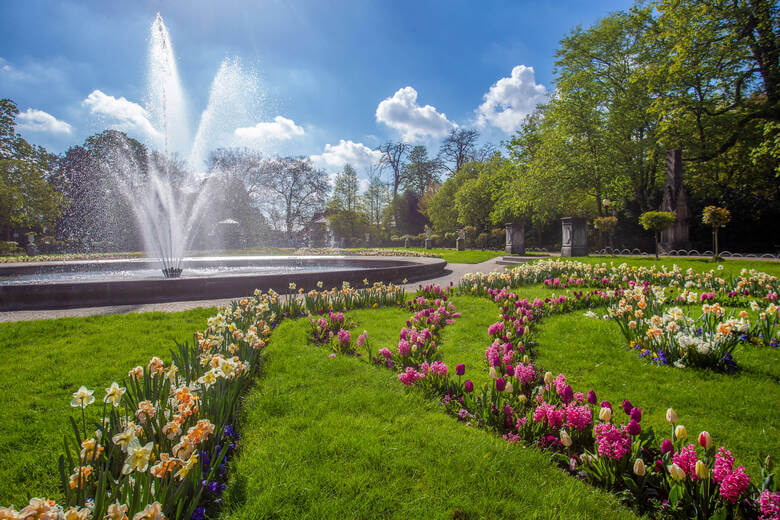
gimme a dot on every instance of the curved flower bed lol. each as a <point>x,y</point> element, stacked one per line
<point>165,434</point>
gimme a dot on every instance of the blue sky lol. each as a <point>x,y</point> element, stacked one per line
<point>328,79</point>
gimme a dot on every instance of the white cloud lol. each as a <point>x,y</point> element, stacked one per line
<point>34,120</point>
<point>12,72</point>
<point>128,116</point>
<point>413,121</point>
<point>511,99</point>
<point>281,129</point>
<point>336,156</point>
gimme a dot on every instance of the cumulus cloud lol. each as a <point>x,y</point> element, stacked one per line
<point>511,99</point>
<point>356,154</point>
<point>34,120</point>
<point>128,116</point>
<point>281,129</point>
<point>402,112</point>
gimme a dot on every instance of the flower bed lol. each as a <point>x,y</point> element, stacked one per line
<point>166,433</point>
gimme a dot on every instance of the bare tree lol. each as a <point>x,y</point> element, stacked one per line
<point>376,198</point>
<point>458,148</point>
<point>393,154</point>
<point>247,165</point>
<point>295,191</point>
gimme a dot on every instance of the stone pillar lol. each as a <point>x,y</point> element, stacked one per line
<point>406,243</point>
<point>574,240</point>
<point>675,200</point>
<point>515,238</point>
<point>427,243</point>
<point>31,248</point>
<point>460,244</point>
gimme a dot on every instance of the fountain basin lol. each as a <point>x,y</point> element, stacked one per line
<point>44,291</point>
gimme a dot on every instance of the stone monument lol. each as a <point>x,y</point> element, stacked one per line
<point>460,242</point>
<point>675,200</point>
<point>427,237</point>
<point>574,240</point>
<point>515,238</point>
<point>31,248</point>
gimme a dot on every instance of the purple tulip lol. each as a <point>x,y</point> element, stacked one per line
<point>500,384</point>
<point>567,395</point>
<point>460,369</point>
<point>633,427</point>
<point>468,387</point>
<point>592,397</point>
<point>627,407</point>
<point>636,414</point>
<point>606,404</point>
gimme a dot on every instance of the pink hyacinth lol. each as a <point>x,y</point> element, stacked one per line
<point>579,417</point>
<point>344,336</point>
<point>724,461</point>
<point>734,485</point>
<point>770,505</point>
<point>438,368</point>
<point>612,441</point>
<point>525,373</point>
<point>686,459</point>
<point>362,339</point>
<point>385,353</point>
<point>410,376</point>
<point>560,383</point>
<point>404,348</point>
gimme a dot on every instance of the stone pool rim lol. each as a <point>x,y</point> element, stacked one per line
<point>64,295</point>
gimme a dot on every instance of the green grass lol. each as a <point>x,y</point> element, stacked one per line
<point>739,410</point>
<point>730,266</point>
<point>45,361</point>
<point>336,438</point>
<point>469,256</point>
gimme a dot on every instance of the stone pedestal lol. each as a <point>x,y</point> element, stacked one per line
<point>675,200</point>
<point>427,243</point>
<point>515,238</point>
<point>406,243</point>
<point>574,239</point>
<point>460,244</point>
<point>31,248</point>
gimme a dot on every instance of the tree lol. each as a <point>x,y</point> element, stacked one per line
<point>27,200</point>
<point>717,218</point>
<point>419,172</point>
<point>296,191</point>
<point>375,200</point>
<point>346,216</point>
<point>657,221</point>
<point>393,155</point>
<point>458,148</point>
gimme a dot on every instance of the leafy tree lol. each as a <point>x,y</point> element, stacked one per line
<point>375,199</point>
<point>657,221</point>
<point>420,171</point>
<point>717,218</point>
<point>346,216</point>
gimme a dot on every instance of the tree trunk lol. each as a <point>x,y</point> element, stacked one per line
<point>715,252</point>
<point>657,240</point>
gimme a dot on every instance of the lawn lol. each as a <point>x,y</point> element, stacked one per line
<point>730,267</point>
<point>45,361</point>
<point>469,256</point>
<point>336,438</point>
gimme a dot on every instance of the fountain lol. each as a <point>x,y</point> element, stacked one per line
<point>167,208</point>
<point>166,214</point>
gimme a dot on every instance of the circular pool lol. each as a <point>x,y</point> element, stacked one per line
<point>55,285</point>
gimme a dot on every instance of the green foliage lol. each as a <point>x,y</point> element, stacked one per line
<point>347,218</point>
<point>657,220</point>
<point>607,224</point>
<point>715,216</point>
<point>419,172</point>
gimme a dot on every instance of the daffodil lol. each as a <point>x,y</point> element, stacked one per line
<point>82,397</point>
<point>114,394</point>
<point>138,457</point>
<point>150,512</point>
<point>124,439</point>
<point>116,511</point>
<point>187,467</point>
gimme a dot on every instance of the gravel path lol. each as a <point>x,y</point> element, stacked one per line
<point>452,273</point>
